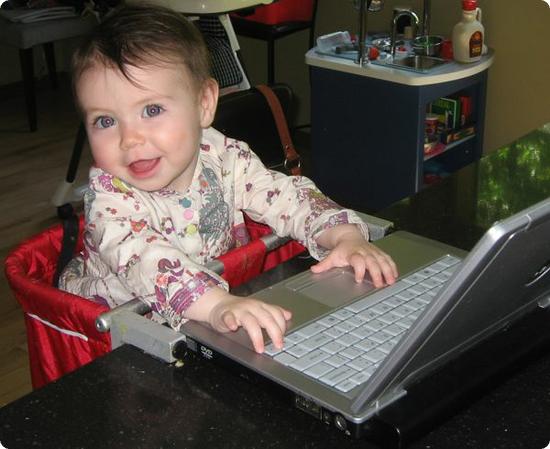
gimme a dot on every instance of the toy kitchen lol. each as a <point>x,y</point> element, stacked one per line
<point>395,111</point>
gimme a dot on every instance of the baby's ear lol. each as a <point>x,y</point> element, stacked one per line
<point>208,101</point>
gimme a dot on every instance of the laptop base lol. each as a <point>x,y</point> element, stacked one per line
<point>460,382</point>
<point>435,398</point>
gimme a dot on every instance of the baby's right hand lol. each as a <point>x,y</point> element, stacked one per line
<point>232,312</point>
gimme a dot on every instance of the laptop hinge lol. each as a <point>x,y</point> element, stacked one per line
<point>389,398</point>
<point>153,338</point>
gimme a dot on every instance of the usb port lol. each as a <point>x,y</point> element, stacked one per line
<point>308,406</point>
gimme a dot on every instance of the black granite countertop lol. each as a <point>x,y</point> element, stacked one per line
<point>127,399</point>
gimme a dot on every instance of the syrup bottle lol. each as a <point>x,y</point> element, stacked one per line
<point>468,34</point>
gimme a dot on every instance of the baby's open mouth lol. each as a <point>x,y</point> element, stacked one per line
<point>143,166</point>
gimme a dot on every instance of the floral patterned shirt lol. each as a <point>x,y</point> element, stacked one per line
<point>154,245</point>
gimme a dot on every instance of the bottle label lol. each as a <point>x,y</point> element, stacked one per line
<point>476,44</point>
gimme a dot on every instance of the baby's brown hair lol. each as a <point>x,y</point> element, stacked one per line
<point>144,35</point>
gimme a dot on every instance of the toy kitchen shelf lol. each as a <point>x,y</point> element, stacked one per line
<point>368,123</point>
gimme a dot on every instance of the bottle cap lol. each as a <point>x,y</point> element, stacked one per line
<point>469,5</point>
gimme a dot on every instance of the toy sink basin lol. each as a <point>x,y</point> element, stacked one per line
<point>416,63</point>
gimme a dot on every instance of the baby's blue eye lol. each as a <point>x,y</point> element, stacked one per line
<point>152,110</point>
<point>104,122</point>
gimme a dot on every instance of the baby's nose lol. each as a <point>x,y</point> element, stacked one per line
<point>130,137</point>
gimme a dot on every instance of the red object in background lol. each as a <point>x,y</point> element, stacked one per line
<point>465,109</point>
<point>447,49</point>
<point>373,53</point>
<point>282,11</point>
<point>469,5</point>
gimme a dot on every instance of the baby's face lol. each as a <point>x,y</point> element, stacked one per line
<point>146,133</point>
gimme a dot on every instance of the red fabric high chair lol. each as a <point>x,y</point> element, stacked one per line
<point>61,332</point>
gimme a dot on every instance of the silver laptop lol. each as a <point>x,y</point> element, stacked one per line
<point>351,349</point>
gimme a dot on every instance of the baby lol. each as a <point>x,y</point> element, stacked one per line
<point>167,192</point>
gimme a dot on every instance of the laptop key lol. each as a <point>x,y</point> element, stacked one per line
<point>375,325</point>
<point>298,350</point>
<point>381,308</point>
<point>415,303</point>
<point>336,361</point>
<point>310,330</point>
<point>342,314</point>
<point>329,321</point>
<point>414,278</point>
<point>338,375</point>
<point>369,314</point>
<point>294,338</point>
<point>316,341</point>
<point>450,260</point>
<point>418,289</point>
<point>404,310</point>
<point>389,317</point>
<point>334,332</point>
<point>394,301</point>
<point>318,370</point>
<point>387,346</point>
<point>431,282</point>
<point>394,329</point>
<point>375,356</point>
<point>348,339</point>
<point>362,376</point>
<point>356,320</point>
<point>405,322</point>
<point>407,294</point>
<point>333,347</point>
<point>359,363</point>
<point>284,358</point>
<point>381,337</point>
<point>309,360</point>
<point>271,350</point>
<point>440,265</point>
<point>366,345</point>
<point>361,332</point>
<point>344,327</point>
<point>346,386</point>
<point>351,353</point>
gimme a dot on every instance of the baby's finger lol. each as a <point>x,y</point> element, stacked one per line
<point>359,265</point>
<point>375,271</point>
<point>280,315</point>
<point>229,321</point>
<point>250,323</point>
<point>323,265</point>
<point>389,269</point>
<point>274,324</point>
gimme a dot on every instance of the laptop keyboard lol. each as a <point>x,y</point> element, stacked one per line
<point>343,349</point>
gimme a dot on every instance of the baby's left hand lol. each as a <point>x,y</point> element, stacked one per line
<point>350,248</point>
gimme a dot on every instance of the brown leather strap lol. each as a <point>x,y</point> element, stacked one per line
<point>292,158</point>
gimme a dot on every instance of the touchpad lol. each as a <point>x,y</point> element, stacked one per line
<point>333,288</point>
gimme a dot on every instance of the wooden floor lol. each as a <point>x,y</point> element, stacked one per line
<point>31,167</point>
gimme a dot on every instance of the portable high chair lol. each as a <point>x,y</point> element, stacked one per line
<point>61,329</point>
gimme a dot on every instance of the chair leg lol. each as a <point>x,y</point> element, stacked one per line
<point>271,62</point>
<point>27,71</point>
<point>50,62</point>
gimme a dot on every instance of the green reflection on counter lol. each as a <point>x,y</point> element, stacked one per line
<point>514,177</point>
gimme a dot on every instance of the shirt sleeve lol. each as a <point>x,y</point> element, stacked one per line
<point>121,240</point>
<point>291,205</point>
